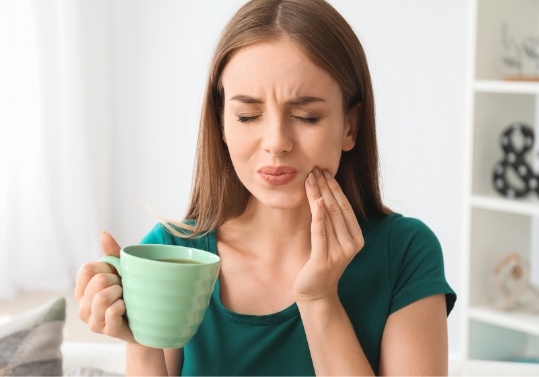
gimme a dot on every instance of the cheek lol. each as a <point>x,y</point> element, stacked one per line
<point>229,134</point>
<point>228,124</point>
<point>327,152</point>
<point>332,163</point>
<point>328,159</point>
<point>239,146</point>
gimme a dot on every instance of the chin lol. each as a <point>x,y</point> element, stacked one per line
<point>282,201</point>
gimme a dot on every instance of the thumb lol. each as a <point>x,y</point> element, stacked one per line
<point>109,245</point>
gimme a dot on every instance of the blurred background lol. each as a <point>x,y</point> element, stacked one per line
<point>99,109</point>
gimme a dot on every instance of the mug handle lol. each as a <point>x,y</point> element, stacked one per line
<point>113,261</point>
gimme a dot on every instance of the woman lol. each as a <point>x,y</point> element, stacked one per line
<point>317,275</point>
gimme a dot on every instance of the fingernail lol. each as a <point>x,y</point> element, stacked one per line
<point>311,179</point>
<point>316,172</point>
<point>327,174</point>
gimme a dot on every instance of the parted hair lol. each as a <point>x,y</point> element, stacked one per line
<point>325,36</point>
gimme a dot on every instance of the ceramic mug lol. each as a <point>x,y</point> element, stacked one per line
<point>166,289</point>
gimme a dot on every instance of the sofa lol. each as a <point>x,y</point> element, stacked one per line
<point>95,359</point>
<point>33,344</point>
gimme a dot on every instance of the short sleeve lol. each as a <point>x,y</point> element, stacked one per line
<point>417,264</point>
<point>158,235</point>
<point>161,235</point>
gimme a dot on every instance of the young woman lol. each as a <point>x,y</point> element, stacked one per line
<point>317,275</point>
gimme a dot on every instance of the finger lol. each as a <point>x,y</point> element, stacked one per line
<point>314,195</point>
<point>319,234</point>
<point>318,226</point>
<point>109,245</point>
<point>97,284</point>
<point>100,303</point>
<point>342,215</point>
<point>115,322</point>
<point>333,209</point>
<point>86,273</point>
<point>344,205</point>
<point>312,190</point>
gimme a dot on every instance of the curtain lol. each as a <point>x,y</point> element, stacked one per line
<point>55,113</point>
<point>99,107</point>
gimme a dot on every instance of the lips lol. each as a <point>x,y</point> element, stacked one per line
<point>277,175</point>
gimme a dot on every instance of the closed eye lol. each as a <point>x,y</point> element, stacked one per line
<point>308,120</point>
<point>247,119</point>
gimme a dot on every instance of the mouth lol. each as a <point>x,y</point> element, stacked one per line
<point>277,175</point>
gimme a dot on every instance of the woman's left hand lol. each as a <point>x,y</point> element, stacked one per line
<point>335,238</point>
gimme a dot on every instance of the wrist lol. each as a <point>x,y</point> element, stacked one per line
<point>321,307</point>
<point>140,359</point>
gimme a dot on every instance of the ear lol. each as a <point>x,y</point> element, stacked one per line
<point>351,126</point>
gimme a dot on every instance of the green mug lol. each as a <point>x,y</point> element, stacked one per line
<point>166,290</point>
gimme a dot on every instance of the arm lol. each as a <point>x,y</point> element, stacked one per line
<point>334,347</point>
<point>174,361</point>
<point>335,239</point>
<point>145,361</point>
<point>415,339</point>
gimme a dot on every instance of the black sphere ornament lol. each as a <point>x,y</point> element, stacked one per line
<point>514,159</point>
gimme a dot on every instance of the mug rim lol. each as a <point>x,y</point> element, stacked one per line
<point>215,259</point>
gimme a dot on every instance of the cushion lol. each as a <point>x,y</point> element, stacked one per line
<point>30,343</point>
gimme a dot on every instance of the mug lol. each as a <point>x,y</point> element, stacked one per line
<point>166,290</point>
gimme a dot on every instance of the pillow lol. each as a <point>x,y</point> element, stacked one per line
<point>30,343</point>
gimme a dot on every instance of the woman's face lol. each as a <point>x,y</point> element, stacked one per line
<point>283,115</point>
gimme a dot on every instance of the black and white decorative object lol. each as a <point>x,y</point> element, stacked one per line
<point>514,159</point>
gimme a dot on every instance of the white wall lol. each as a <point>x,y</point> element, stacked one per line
<point>417,53</point>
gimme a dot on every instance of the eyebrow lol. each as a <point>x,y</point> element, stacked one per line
<point>294,102</point>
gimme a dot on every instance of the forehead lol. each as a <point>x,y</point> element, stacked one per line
<point>281,65</point>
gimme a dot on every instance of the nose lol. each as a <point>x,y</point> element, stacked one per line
<point>277,138</point>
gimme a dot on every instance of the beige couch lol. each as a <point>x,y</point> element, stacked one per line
<point>95,357</point>
<point>85,358</point>
<point>50,337</point>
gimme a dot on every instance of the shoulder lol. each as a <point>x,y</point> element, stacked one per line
<point>396,232</point>
<point>403,245</point>
<point>408,230</point>
<point>415,261</point>
<point>408,241</point>
<point>394,221</point>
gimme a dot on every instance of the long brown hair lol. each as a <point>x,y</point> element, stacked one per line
<point>217,193</point>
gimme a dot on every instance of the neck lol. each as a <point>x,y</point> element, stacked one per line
<point>277,230</point>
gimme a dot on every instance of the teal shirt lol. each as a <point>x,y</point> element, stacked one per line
<point>401,262</point>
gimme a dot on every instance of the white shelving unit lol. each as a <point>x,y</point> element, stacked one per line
<point>496,86</point>
<point>495,225</point>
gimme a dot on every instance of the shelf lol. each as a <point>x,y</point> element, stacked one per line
<point>527,323</point>
<point>497,225</point>
<point>500,86</point>
<point>527,206</point>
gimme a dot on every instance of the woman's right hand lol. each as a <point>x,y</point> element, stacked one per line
<point>100,295</point>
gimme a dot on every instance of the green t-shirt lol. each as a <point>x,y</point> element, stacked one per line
<point>401,262</point>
